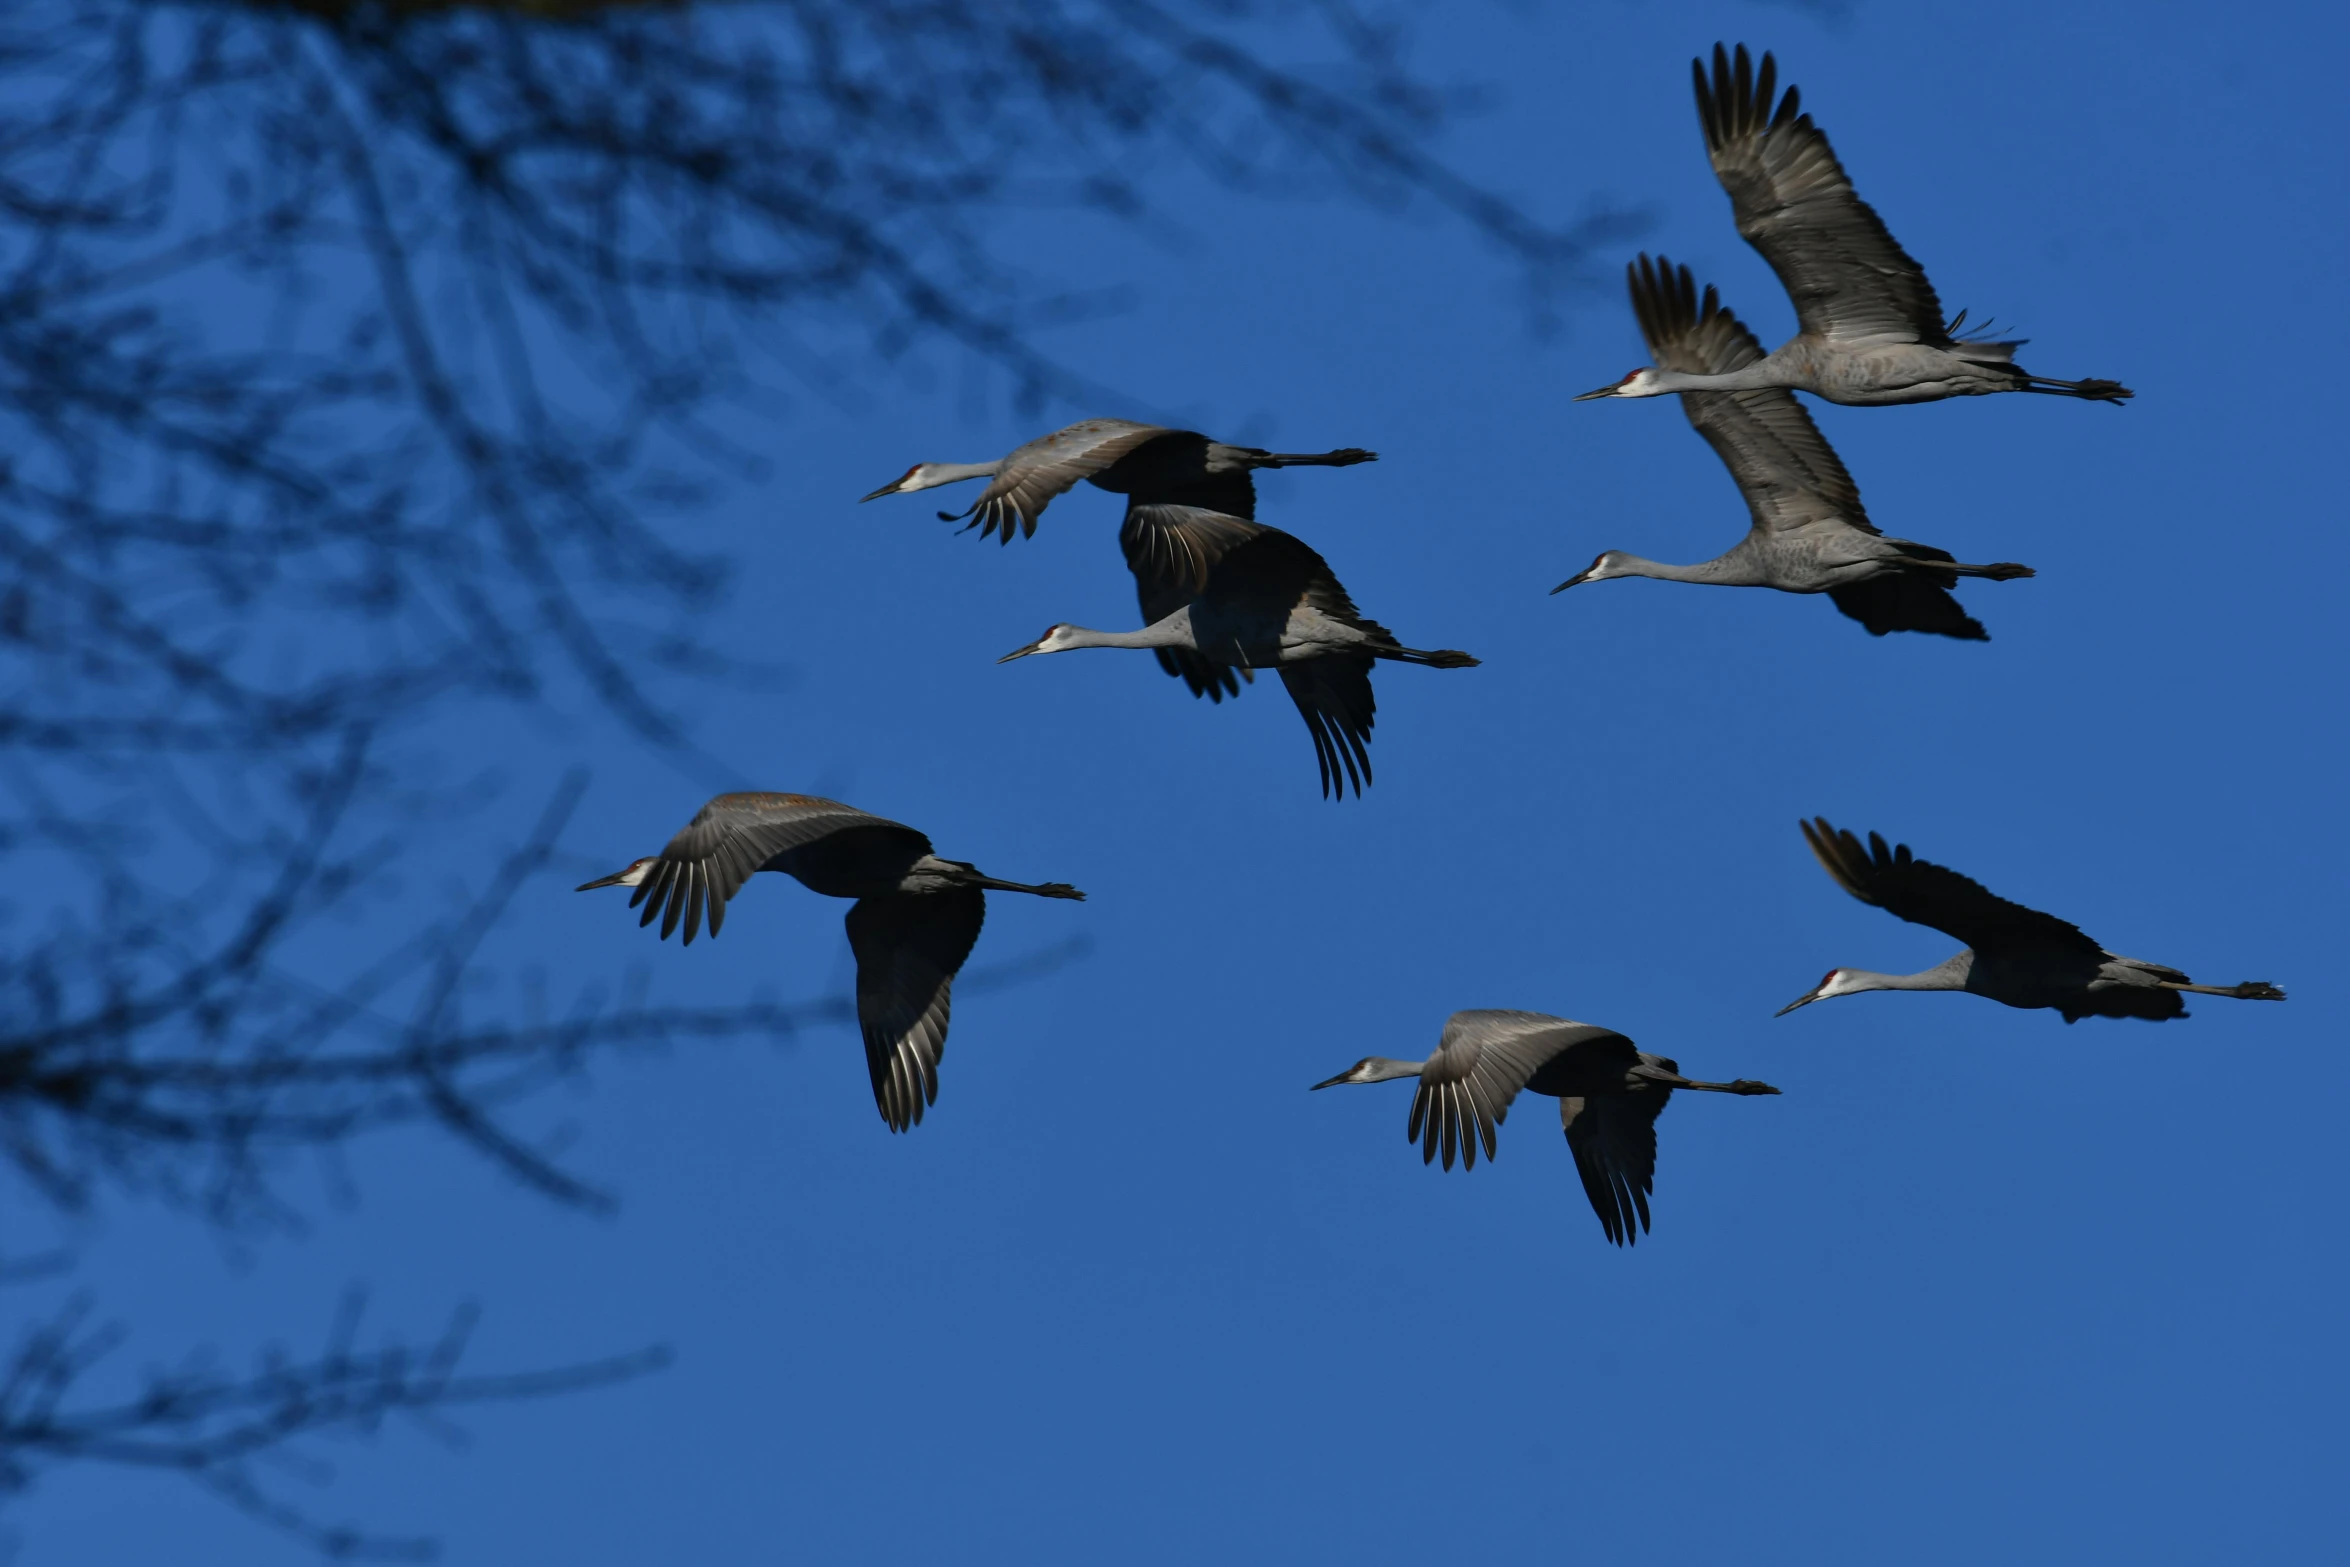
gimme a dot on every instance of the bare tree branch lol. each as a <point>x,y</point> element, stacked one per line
<point>356,359</point>
<point>217,1427</point>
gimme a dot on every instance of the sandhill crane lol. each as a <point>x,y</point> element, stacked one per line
<point>1609,1095</point>
<point>1810,534</point>
<point>915,920</point>
<point>1871,330</point>
<point>1179,486</point>
<point>1271,602</point>
<point>2014,955</point>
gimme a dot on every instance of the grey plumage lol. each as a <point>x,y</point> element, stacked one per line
<point>2015,955</point>
<point>1269,601</point>
<point>1181,488</point>
<point>915,920</point>
<point>1610,1094</point>
<point>1871,330</point>
<point>1810,533</point>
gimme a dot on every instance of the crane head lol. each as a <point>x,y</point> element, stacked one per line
<point>1837,983</point>
<point>912,479</point>
<point>1372,1069</point>
<point>1054,640</point>
<point>1598,571</point>
<point>1640,383</point>
<point>634,876</point>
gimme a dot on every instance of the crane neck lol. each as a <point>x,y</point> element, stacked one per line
<point>1382,1069</point>
<point>1948,975</point>
<point>938,473</point>
<point>1763,372</point>
<point>1174,631</point>
<point>1732,570</point>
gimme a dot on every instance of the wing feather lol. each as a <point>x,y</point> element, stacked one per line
<point>909,947</point>
<point>1928,894</point>
<point>1613,1139</point>
<point>1790,475</point>
<point>1333,696</point>
<point>1480,1066</point>
<point>1027,481</point>
<point>1849,279</point>
<point>730,838</point>
<point>1171,549</point>
<point>1908,601</point>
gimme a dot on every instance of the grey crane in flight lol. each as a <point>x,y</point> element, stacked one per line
<point>1177,484</point>
<point>2014,955</point>
<point>1870,328</point>
<point>915,920</point>
<point>1810,533</point>
<point>1271,602</point>
<point>1609,1092</point>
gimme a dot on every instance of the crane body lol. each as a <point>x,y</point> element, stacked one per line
<point>915,919</point>
<point>1271,602</point>
<point>2015,955</point>
<point>1871,330</point>
<point>1610,1094</point>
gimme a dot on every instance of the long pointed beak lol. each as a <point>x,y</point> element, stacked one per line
<point>1605,391</point>
<point>1575,581</point>
<point>1799,1001</point>
<point>890,488</point>
<point>616,879</point>
<point>1021,652</point>
<point>1332,1082</point>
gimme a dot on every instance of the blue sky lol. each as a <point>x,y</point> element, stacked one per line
<point>1979,1287</point>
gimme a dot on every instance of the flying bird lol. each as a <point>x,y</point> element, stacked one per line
<point>1810,533</point>
<point>1269,602</point>
<point>1180,487</point>
<point>915,920</point>
<point>1609,1095</point>
<point>1870,328</point>
<point>2014,955</point>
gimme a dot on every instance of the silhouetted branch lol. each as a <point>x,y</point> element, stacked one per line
<point>356,357</point>
<point>299,302</point>
<point>159,1062</point>
<point>217,1426</point>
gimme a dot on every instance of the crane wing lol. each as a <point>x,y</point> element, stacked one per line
<point>1928,894</point>
<point>1789,474</point>
<point>1268,574</point>
<point>1171,549</point>
<point>908,948</point>
<point>1849,279</point>
<point>1484,1059</point>
<point>1185,468</point>
<point>707,863</point>
<point>1033,474</point>
<point>1259,583</point>
<point>1909,601</point>
<point>1333,696</point>
<point>1613,1139</point>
